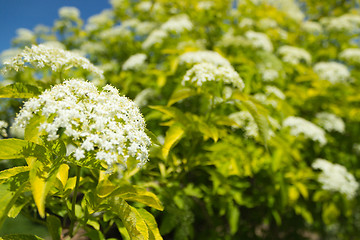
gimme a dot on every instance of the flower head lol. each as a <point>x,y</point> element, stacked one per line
<point>294,55</point>
<point>204,56</point>
<point>335,177</point>
<point>55,58</point>
<point>208,72</point>
<point>299,126</point>
<point>332,71</point>
<point>103,123</point>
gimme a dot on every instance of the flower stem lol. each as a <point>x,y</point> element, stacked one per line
<point>73,216</point>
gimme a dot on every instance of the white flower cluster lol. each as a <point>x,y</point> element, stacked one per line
<point>332,71</point>
<point>312,27</point>
<point>345,23</point>
<point>3,126</point>
<point>294,55</point>
<point>146,6</point>
<point>259,40</point>
<point>351,55</point>
<point>335,177</point>
<point>156,37</point>
<point>71,13</point>
<point>246,22</point>
<point>144,28</point>
<point>134,62</point>
<point>24,37</point>
<point>269,75</point>
<point>192,58</point>
<point>177,24</point>
<point>299,126</point>
<point>267,23</point>
<point>100,20</point>
<point>106,124</point>
<point>115,32</point>
<point>57,59</point>
<point>205,5</point>
<point>330,122</point>
<point>207,72</point>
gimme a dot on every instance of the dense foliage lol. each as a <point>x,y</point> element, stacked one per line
<point>252,108</point>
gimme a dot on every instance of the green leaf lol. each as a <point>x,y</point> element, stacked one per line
<point>20,237</point>
<point>132,220</point>
<point>172,112</point>
<point>54,227</point>
<point>260,120</point>
<point>137,194</point>
<point>10,190</point>
<point>172,137</point>
<point>181,94</point>
<point>42,177</point>
<point>12,148</point>
<point>19,90</point>
<point>233,215</point>
<point>154,233</point>
<point>32,133</point>
<point>7,173</point>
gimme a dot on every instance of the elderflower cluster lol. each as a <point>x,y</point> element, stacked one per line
<point>312,27</point>
<point>259,40</point>
<point>330,122</point>
<point>178,24</point>
<point>346,23</point>
<point>269,75</point>
<point>294,55</point>
<point>332,71</point>
<point>300,126</point>
<point>3,126</point>
<point>43,56</point>
<point>351,55</point>
<point>155,37</point>
<point>192,58</point>
<point>134,62</point>
<point>207,72</point>
<point>101,123</point>
<point>71,13</point>
<point>335,177</point>
<point>115,33</point>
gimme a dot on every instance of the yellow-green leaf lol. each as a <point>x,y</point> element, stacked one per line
<point>154,233</point>
<point>133,222</point>
<point>137,194</point>
<point>172,137</point>
<point>7,173</point>
<point>42,177</point>
<point>181,94</point>
<point>19,90</point>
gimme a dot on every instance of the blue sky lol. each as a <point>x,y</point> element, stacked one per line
<point>16,14</point>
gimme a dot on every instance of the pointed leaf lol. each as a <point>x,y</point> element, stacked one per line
<point>20,237</point>
<point>150,221</point>
<point>54,227</point>
<point>42,177</point>
<point>181,94</point>
<point>133,222</point>
<point>19,90</point>
<point>137,194</point>
<point>172,137</point>
<point>7,173</point>
<point>10,190</point>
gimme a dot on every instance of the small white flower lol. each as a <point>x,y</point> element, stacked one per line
<point>135,62</point>
<point>332,71</point>
<point>207,72</point>
<point>178,24</point>
<point>335,177</point>
<point>299,126</point>
<point>294,55</point>
<point>330,122</point>
<point>156,37</point>
<point>259,41</point>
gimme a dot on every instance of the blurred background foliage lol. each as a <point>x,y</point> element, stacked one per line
<point>218,174</point>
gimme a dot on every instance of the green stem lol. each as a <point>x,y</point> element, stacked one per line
<point>73,216</point>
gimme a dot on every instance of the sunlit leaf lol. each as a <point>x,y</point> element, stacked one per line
<point>19,90</point>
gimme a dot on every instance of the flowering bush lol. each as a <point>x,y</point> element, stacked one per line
<point>243,102</point>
